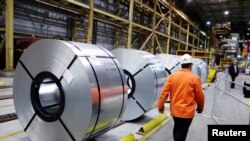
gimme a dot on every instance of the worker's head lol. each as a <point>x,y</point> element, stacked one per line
<point>186,61</point>
<point>234,61</point>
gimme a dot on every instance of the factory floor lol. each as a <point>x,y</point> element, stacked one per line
<point>13,131</point>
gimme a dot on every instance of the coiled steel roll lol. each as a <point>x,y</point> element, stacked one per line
<point>145,78</point>
<point>172,63</point>
<point>203,69</point>
<point>68,91</point>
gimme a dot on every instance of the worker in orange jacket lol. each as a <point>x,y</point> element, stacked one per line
<point>185,90</point>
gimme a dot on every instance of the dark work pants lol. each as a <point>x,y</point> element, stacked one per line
<point>181,126</point>
<point>232,83</point>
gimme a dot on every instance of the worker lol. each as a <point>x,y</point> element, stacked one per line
<point>185,90</point>
<point>233,72</point>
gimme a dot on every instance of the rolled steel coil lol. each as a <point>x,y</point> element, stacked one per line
<point>145,79</point>
<point>172,63</point>
<point>68,91</point>
<point>203,69</point>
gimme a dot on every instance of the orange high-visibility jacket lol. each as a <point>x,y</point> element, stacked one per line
<point>185,91</point>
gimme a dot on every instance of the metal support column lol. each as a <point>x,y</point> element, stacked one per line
<point>169,30</point>
<point>153,28</point>
<point>117,29</point>
<point>198,42</point>
<point>205,45</point>
<point>90,22</point>
<point>9,18</point>
<point>187,42</point>
<point>179,43</point>
<point>73,30</point>
<point>2,44</point>
<point>116,37</point>
<point>193,43</point>
<point>179,46</point>
<point>95,31</point>
<point>131,10</point>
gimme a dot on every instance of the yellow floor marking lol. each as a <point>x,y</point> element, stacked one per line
<point>3,106</point>
<point>11,134</point>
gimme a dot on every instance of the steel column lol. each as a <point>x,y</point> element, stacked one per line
<point>187,42</point>
<point>153,27</point>
<point>131,9</point>
<point>90,22</point>
<point>9,18</point>
<point>169,30</point>
<point>116,37</point>
<point>2,44</point>
<point>198,41</point>
<point>73,30</point>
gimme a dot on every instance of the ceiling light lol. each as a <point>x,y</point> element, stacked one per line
<point>248,29</point>
<point>247,34</point>
<point>226,12</point>
<point>208,22</point>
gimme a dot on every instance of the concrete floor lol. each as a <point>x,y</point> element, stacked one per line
<point>228,110</point>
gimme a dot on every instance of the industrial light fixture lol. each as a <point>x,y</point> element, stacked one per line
<point>226,12</point>
<point>208,22</point>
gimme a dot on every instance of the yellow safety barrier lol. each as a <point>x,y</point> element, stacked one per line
<point>11,135</point>
<point>152,124</point>
<point>211,75</point>
<point>145,137</point>
<point>100,125</point>
<point>129,137</point>
<point>2,83</point>
<point>4,106</point>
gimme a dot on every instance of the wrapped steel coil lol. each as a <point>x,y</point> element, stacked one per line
<point>68,91</point>
<point>172,63</point>
<point>196,69</point>
<point>203,68</point>
<point>145,78</point>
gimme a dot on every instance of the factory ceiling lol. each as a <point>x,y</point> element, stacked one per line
<point>211,13</point>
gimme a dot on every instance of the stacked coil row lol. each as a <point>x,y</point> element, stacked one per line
<point>73,91</point>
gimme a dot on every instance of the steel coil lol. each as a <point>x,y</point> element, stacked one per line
<point>172,63</point>
<point>145,78</point>
<point>68,91</point>
<point>203,69</point>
